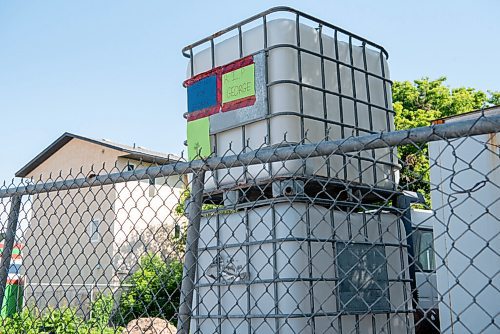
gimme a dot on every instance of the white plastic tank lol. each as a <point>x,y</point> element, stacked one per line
<point>310,98</point>
<point>273,267</point>
<point>465,175</point>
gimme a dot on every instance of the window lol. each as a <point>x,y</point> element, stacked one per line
<point>93,230</point>
<point>130,167</point>
<point>423,244</point>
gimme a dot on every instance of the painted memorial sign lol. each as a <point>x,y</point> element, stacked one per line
<point>229,88</point>
<point>238,84</point>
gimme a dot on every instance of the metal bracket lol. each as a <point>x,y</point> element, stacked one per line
<point>288,188</point>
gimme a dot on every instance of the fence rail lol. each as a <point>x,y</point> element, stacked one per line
<point>482,125</point>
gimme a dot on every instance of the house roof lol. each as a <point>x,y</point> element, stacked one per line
<point>467,115</point>
<point>133,153</point>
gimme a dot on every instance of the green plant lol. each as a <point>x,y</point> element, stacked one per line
<point>25,322</point>
<point>62,321</point>
<point>55,321</point>
<point>100,311</point>
<point>153,292</point>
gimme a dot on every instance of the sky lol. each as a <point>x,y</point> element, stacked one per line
<point>114,69</point>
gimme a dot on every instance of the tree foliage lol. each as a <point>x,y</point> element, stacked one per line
<point>417,104</point>
<point>494,97</point>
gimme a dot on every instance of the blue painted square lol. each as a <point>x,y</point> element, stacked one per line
<point>14,268</point>
<point>202,94</point>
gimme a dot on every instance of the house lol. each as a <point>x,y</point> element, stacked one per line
<point>87,239</point>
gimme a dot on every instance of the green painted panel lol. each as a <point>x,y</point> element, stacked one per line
<point>198,138</point>
<point>238,84</point>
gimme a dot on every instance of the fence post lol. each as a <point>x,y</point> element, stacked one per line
<point>191,256</point>
<point>8,243</point>
<point>403,203</point>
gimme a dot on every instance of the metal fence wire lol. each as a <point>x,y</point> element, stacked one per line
<point>154,250</point>
<point>302,211</point>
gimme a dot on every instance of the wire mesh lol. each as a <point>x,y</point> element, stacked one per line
<point>152,249</point>
<point>306,216</point>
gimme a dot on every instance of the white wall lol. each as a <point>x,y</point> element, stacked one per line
<point>145,220</point>
<point>465,178</point>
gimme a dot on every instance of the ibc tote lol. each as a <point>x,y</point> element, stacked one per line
<point>302,85</point>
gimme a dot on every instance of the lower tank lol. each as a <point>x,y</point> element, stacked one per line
<point>301,267</point>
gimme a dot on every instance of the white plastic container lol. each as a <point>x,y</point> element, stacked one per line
<point>465,177</point>
<point>316,110</point>
<point>276,268</point>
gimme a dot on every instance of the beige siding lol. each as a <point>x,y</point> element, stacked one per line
<point>58,246</point>
<point>75,157</point>
<point>61,262</point>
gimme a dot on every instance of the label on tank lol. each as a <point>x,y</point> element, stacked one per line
<point>198,138</point>
<point>202,94</point>
<point>238,84</point>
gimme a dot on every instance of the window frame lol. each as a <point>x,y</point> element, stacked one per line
<point>416,246</point>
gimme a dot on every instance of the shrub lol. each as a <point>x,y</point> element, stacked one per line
<point>154,291</point>
<point>100,311</point>
<point>55,321</point>
<point>25,322</point>
<point>61,320</point>
<point>58,321</point>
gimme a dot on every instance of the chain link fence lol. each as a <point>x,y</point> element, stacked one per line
<point>210,246</point>
<point>301,209</point>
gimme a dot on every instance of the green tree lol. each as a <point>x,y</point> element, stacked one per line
<point>154,291</point>
<point>494,97</point>
<point>417,104</point>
